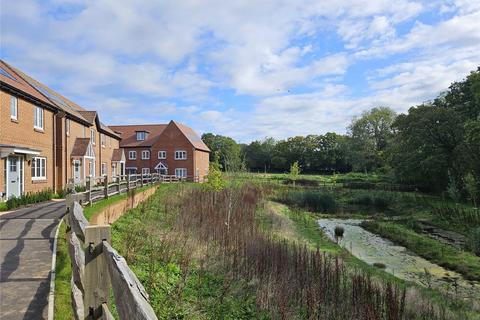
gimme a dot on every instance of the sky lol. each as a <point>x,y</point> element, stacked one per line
<point>246,69</point>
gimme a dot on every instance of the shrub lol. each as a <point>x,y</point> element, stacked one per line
<point>339,231</point>
<point>29,198</point>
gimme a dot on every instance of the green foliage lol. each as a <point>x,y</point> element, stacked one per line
<point>439,138</point>
<point>370,136</point>
<point>215,180</point>
<point>294,172</point>
<point>474,241</point>
<point>471,186</point>
<point>29,198</point>
<point>225,151</point>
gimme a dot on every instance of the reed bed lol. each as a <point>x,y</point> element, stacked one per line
<point>291,281</point>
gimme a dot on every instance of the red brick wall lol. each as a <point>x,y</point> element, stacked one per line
<point>21,133</point>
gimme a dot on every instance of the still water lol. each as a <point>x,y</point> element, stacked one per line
<point>398,261</point>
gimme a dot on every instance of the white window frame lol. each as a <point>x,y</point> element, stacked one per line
<point>103,169</point>
<point>14,108</point>
<point>179,152</point>
<point>182,170</point>
<point>92,136</point>
<point>145,170</point>
<point>162,154</point>
<point>141,135</point>
<point>130,153</point>
<point>35,169</point>
<point>38,118</point>
<point>145,154</point>
<point>67,126</point>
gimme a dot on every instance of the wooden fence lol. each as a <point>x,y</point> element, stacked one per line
<point>97,268</point>
<point>98,188</point>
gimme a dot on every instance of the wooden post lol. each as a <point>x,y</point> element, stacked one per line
<point>128,182</point>
<point>141,180</point>
<point>105,192</point>
<point>118,184</point>
<point>89,189</point>
<point>97,279</point>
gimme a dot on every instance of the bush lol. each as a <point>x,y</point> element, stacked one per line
<point>303,182</point>
<point>29,198</point>
<point>380,201</point>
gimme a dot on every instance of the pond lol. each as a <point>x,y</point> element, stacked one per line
<point>398,261</point>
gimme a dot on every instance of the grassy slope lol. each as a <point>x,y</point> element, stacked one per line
<point>445,255</point>
<point>63,270</point>
<point>178,288</point>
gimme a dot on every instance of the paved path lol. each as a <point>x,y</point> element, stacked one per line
<point>26,243</point>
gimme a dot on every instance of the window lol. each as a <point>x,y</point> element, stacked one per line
<point>145,154</point>
<point>162,154</point>
<point>104,169</point>
<point>132,155</point>
<point>141,135</point>
<point>102,139</point>
<point>181,172</point>
<point>13,108</point>
<point>145,170</point>
<point>13,164</point>
<point>38,118</point>
<point>39,165</point>
<point>92,136</point>
<point>180,155</point>
<point>67,126</point>
<point>131,170</point>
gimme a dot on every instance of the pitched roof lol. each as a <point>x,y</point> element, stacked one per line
<point>192,136</point>
<point>80,147</point>
<point>10,77</point>
<point>24,83</point>
<point>129,138</point>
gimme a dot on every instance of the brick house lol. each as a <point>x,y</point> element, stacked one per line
<point>46,139</point>
<point>170,149</point>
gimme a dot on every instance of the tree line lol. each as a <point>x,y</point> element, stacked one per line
<point>435,145</point>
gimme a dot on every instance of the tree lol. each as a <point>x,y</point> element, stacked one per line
<point>215,179</point>
<point>370,135</point>
<point>294,172</point>
<point>258,154</point>
<point>224,150</point>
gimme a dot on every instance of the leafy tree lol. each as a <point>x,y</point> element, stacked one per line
<point>225,150</point>
<point>259,153</point>
<point>294,172</point>
<point>370,135</point>
<point>215,179</point>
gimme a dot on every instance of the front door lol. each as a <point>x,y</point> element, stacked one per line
<point>14,176</point>
<point>76,171</point>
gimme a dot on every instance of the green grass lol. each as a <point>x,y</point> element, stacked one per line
<point>180,286</point>
<point>444,255</point>
<point>3,206</point>
<point>63,270</point>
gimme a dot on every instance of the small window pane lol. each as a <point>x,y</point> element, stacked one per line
<point>13,107</point>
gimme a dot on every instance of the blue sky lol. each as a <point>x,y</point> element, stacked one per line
<point>246,69</point>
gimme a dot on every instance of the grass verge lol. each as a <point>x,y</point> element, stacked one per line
<point>63,270</point>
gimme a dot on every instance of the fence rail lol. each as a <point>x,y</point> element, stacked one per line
<point>97,267</point>
<point>98,188</point>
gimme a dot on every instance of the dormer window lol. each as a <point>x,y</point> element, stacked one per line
<point>141,135</point>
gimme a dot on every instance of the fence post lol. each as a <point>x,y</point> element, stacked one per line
<point>97,279</point>
<point>118,184</point>
<point>141,180</point>
<point>128,182</point>
<point>89,189</point>
<point>105,192</point>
